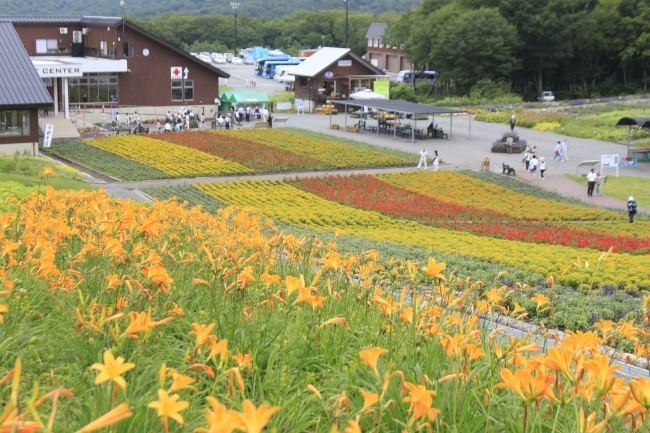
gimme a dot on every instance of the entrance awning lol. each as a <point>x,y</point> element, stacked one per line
<point>66,66</point>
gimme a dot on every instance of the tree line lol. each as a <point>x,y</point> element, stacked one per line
<point>576,48</point>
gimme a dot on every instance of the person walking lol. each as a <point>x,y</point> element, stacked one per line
<point>558,151</point>
<point>202,121</point>
<point>542,167</point>
<point>436,161</point>
<point>534,162</point>
<point>248,114</point>
<point>423,158</point>
<point>631,208</point>
<point>158,126</point>
<point>513,122</point>
<point>599,183</point>
<point>270,120</point>
<point>227,121</point>
<point>565,150</point>
<point>527,157</point>
<point>591,182</point>
<point>117,119</point>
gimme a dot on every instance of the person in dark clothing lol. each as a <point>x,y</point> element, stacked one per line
<point>270,120</point>
<point>513,122</point>
<point>631,208</point>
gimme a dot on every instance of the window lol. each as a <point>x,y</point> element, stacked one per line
<point>128,49</point>
<point>177,90</point>
<point>14,122</point>
<point>47,82</point>
<point>370,42</point>
<point>381,44</point>
<point>44,46</point>
<point>189,90</point>
<point>103,48</point>
<point>303,82</point>
<point>94,87</point>
<point>375,42</point>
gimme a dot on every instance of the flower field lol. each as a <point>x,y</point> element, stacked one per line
<point>171,159</point>
<point>120,317</point>
<point>331,153</point>
<point>290,205</point>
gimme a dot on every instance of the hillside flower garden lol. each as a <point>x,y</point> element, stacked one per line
<point>327,304</point>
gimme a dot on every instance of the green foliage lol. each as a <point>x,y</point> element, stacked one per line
<point>283,97</point>
<point>33,166</point>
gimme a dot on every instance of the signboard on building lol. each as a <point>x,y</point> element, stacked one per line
<point>329,74</point>
<point>345,63</point>
<point>47,135</point>
<point>382,87</point>
<point>177,72</point>
<point>59,71</point>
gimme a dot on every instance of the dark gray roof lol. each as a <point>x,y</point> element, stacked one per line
<point>85,20</point>
<point>20,84</point>
<point>641,122</point>
<point>399,106</point>
<point>376,31</point>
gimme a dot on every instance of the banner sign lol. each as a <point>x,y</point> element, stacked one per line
<point>382,87</point>
<point>47,135</point>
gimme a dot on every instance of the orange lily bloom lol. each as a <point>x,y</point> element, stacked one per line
<point>371,356</point>
<point>112,369</point>
<point>109,418</point>
<point>599,368</point>
<point>529,388</point>
<point>641,391</point>
<point>369,398</point>
<point>255,419</point>
<point>434,270</point>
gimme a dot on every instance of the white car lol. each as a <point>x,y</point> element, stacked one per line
<point>237,61</point>
<point>547,96</point>
<point>221,60</point>
<point>194,54</point>
<point>205,58</point>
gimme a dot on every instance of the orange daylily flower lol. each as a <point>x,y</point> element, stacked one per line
<point>371,356</point>
<point>48,171</point>
<point>202,333</point>
<point>540,299</point>
<point>369,398</point>
<point>220,348</point>
<point>176,311</point>
<point>268,279</point>
<point>113,281</point>
<point>640,388</point>
<point>181,381</point>
<point>220,419</point>
<point>246,276</point>
<point>293,284</point>
<point>353,427</point>
<point>407,315</point>
<point>169,407</point>
<point>109,418</point>
<point>529,388</point>
<point>335,321</point>
<point>244,360</point>
<point>255,419</point>
<point>332,261</point>
<point>599,369</point>
<point>112,369</point>
<point>421,400</point>
<point>434,270</point>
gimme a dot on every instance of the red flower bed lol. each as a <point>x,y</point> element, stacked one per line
<point>369,193</point>
<point>246,152</point>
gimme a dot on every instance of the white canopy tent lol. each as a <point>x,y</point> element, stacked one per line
<point>367,95</point>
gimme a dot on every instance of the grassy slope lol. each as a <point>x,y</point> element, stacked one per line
<point>624,187</point>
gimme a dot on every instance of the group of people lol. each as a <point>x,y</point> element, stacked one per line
<point>424,155</point>
<point>533,164</point>
<point>595,180</point>
<point>130,121</point>
<point>251,82</point>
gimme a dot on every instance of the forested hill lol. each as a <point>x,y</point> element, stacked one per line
<point>147,9</point>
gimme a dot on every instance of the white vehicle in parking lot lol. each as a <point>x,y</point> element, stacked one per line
<point>228,56</point>
<point>213,55</point>
<point>236,61</point>
<point>205,58</point>
<point>194,54</point>
<point>220,60</point>
<point>282,72</point>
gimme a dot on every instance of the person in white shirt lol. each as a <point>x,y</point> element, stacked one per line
<point>423,159</point>
<point>168,127</point>
<point>533,166</point>
<point>558,151</point>
<point>565,149</point>
<point>436,161</point>
<point>591,182</point>
<point>527,156</point>
<point>542,167</point>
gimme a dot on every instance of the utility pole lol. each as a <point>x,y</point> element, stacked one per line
<point>347,8</point>
<point>235,6</point>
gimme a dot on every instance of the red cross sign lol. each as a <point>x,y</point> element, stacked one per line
<point>177,72</point>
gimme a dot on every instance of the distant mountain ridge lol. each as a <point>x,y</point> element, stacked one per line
<point>148,9</point>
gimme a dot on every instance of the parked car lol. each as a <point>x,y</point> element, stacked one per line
<point>213,55</point>
<point>205,58</point>
<point>249,60</point>
<point>194,54</point>
<point>237,61</point>
<point>204,53</point>
<point>220,60</point>
<point>547,96</point>
<point>228,56</point>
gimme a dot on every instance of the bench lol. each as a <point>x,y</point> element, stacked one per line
<point>282,120</point>
<point>261,125</point>
<point>507,170</point>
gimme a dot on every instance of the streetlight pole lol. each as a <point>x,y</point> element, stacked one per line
<point>347,7</point>
<point>323,37</point>
<point>235,6</point>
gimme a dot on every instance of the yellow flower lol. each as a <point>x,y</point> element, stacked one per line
<point>434,270</point>
<point>268,279</point>
<point>169,407</point>
<point>641,391</point>
<point>255,419</point>
<point>112,369</point>
<point>182,382</point>
<point>47,171</point>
